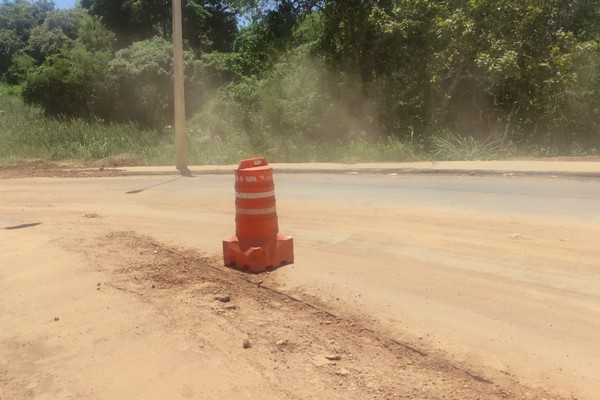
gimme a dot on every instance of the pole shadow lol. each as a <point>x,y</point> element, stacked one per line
<point>151,186</point>
<point>22,226</point>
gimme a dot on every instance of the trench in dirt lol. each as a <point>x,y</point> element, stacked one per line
<point>296,336</point>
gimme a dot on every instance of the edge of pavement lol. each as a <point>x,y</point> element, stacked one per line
<point>582,169</point>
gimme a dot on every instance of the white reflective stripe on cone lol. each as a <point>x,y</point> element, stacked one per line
<point>255,211</point>
<point>260,195</point>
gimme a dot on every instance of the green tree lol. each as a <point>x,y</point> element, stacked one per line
<point>93,35</point>
<point>58,31</point>
<point>19,68</point>
<point>523,72</point>
<point>70,84</point>
<point>20,16</point>
<point>17,19</point>
<point>10,45</point>
<point>74,80</point>
<point>516,67</point>
<point>142,81</point>
<point>207,24</point>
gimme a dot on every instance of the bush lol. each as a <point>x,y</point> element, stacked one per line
<point>58,32</point>
<point>10,44</point>
<point>142,80</point>
<point>71,83</point>
<point>19,68</point>
<point>448,146</point>
<point>72,80</point>
<point>298,100</point>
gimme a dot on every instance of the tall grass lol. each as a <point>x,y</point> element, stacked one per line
<point>449,146</point>
<point>26,133</point>
<point>231,149</point>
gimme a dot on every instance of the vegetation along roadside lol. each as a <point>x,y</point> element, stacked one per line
<point>327,80</point>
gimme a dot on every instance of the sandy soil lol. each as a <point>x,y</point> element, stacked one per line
<point>104,296</point>
<point>122,316</point>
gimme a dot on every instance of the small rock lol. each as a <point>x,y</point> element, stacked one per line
<point>343,372</point>
<point>333,357</point>
<point>153,286</point>
<point>515,235</point>
<point>230,307</point>
<point>98,284</point>
<point>223,298</point>
<point>56,318</point>
<point>247,344</point>
<point>281,342</point>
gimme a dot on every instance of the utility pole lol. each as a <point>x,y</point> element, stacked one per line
<point>179,92</point>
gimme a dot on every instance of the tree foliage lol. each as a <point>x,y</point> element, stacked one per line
<point>207,24</point>
<point>17,19</point>
<point>485,71</point>
<point>68,84</point>
<point>72,79</point>
<point>58,31</point>
<point>142,81</point>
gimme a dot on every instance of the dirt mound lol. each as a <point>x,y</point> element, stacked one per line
<point>32,165</point>
<point>294,338</point>
<point>42,168</point>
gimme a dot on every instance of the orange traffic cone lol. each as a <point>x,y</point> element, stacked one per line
<point>257,244</point>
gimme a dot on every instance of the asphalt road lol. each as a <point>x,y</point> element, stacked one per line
<point>502,272</point>
<point>517,195</point>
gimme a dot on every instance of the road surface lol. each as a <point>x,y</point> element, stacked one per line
<point>500,272</point>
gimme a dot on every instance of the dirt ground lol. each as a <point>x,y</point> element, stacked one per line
<point>38,168</point>
<point>100,301</point>
<point>124,316</point>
